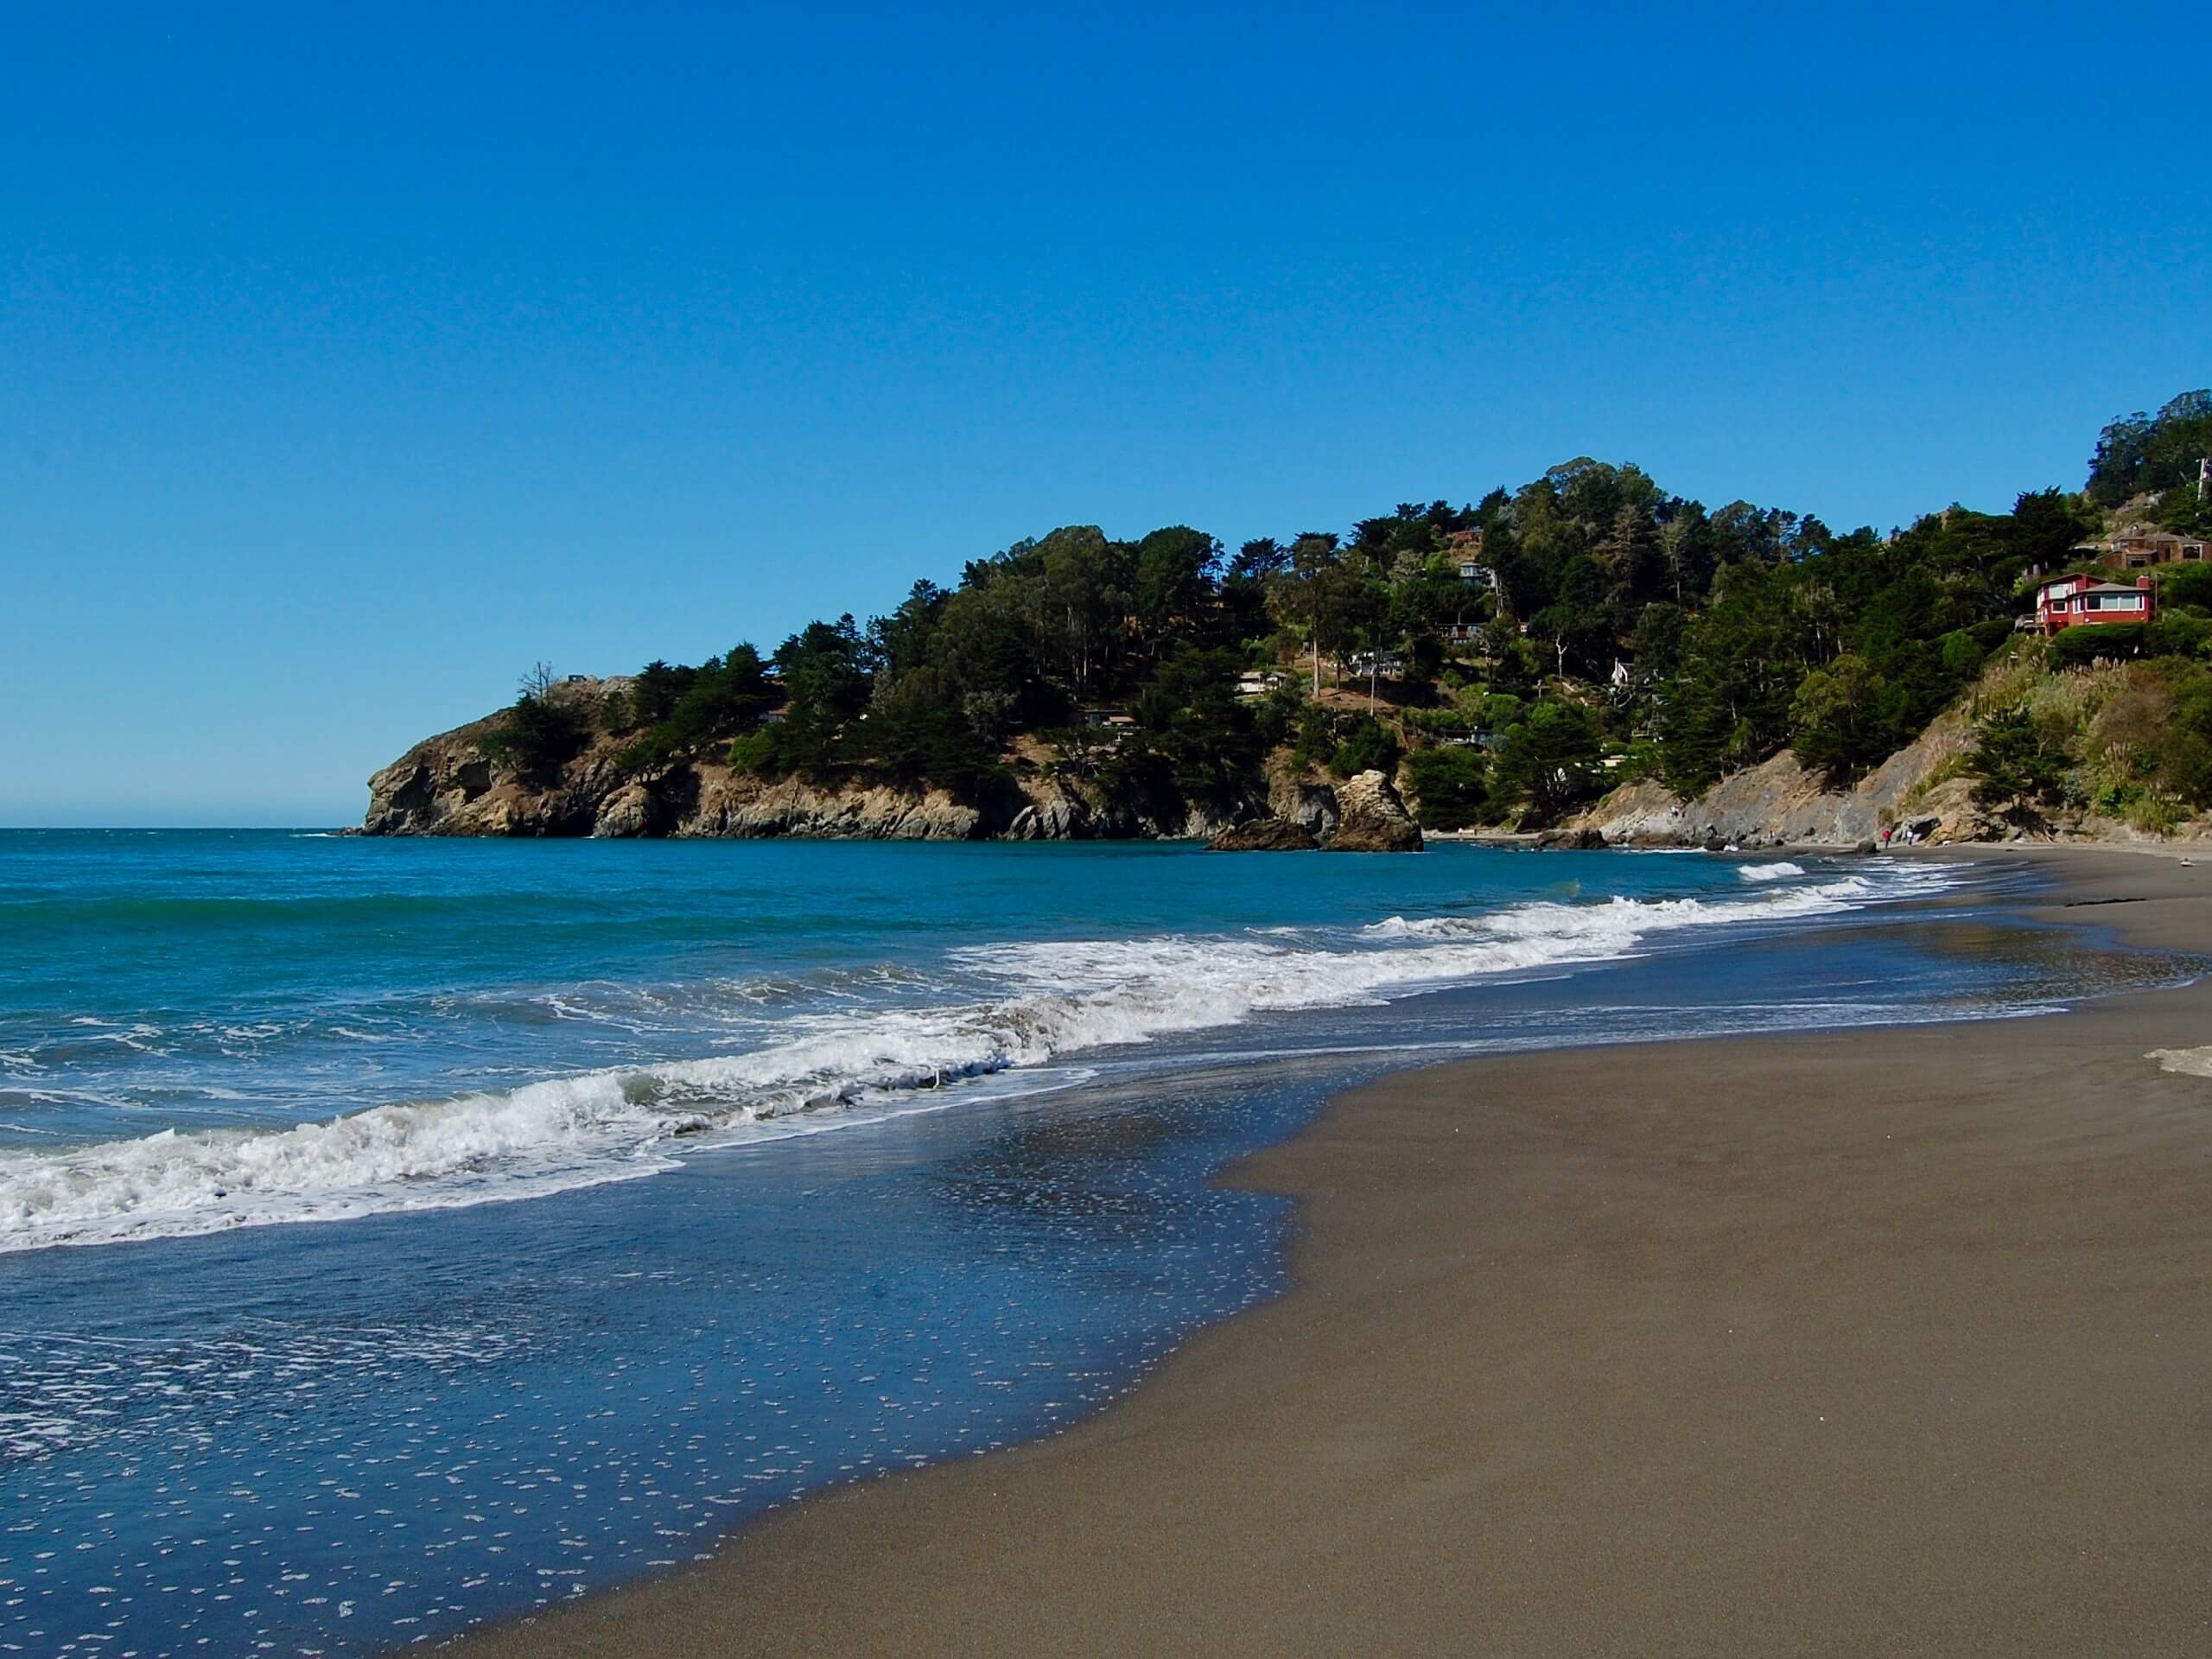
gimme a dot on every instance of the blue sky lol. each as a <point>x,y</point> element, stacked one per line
<point>350,364</point>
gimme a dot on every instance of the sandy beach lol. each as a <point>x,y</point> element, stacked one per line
<point>1879,1342</point>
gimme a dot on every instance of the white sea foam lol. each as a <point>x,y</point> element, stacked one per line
<point>1769,872</point>
<point>1028,1003</point>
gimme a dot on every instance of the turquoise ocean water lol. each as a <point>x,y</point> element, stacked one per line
<point>397,1234</point>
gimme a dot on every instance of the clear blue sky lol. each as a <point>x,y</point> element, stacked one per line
<point>350,362</point>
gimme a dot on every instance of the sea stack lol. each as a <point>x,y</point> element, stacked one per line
<point>1374,819</point>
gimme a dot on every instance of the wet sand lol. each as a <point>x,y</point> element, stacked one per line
<point>1893,1342</point>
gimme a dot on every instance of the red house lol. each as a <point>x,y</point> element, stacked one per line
<point>2069,602</point>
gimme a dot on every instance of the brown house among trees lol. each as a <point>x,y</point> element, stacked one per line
<point>2140,549</point>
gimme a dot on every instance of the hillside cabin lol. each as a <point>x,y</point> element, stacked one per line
<point>2070,602</point>
<point>2140,550</point>
<point>1258,683</point>
<point>1466,553</point>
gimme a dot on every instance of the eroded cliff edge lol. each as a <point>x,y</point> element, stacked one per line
<point>459,784</point>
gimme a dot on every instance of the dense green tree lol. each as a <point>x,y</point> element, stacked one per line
<point>1190,717</point>
<point>1080,598</point>
<point>1172,585</point>
<point>1837,723</point>
<point>2186,586</point>
<point>1548,762</point>
<point>1364,744</point>
<point>1449,789</point>
<point>2107,642</point>
<point>2138,452</point>
<point>1727,704</point>
<point>919,727</point>
<point>654,691</point>
<point>824,672</point>
<point>542,731</point>
<point>2048,525</point>
<point>693,709</point>
<point>903,639</point>
<point>1315,592</point>
<point>2017,769</point>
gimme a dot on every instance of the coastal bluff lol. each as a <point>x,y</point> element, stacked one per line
<point>469,782</point>
<point>1925,792</point>
<point>461,783</point>
<point>1923,788</point>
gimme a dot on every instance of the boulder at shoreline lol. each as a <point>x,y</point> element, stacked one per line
<point>1265,836</point>
<point>1374,819</point>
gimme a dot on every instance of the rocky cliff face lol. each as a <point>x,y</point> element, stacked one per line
<point>449,786</point>
<point>1779,801</point>
<point>1364,815</point>
<point>1375,819</point>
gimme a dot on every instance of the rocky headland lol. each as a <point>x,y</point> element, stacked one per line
<point>460,784</point>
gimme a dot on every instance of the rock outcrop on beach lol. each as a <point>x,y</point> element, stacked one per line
<point>1373,818</point>
<point>1265,836</point>
<point>1311,804</point>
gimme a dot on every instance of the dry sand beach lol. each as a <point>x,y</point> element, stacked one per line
<point>1887,1342</point>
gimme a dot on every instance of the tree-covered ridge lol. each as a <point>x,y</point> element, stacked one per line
<point>1518,654</point>
<point>2140,454</point>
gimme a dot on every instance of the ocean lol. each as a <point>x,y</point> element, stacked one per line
<point>399,1234</point>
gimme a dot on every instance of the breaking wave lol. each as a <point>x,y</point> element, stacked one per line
<point>1021,1005</point>
<point>1780,872</point>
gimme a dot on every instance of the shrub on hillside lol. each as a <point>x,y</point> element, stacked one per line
<point>540,733</point>
<point>757,752</point>
<point>2185,584</point>
<point>1364,744</point>
<point>2108,641</point>
<point>2178,634</point>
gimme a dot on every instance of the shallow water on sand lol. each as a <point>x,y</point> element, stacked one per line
<point>838,1159</point>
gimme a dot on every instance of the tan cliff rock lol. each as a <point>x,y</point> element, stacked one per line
<point>1779,801</point>
<point>1363,815</point>
<point>1373,818</point>
<point>737,803</point>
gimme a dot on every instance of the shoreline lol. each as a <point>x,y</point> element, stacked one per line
<point>1596,1350</point>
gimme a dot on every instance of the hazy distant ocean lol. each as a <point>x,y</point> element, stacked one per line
<point>396,1234</point>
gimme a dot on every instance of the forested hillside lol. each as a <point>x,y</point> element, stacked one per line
<point>1509,659</point>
